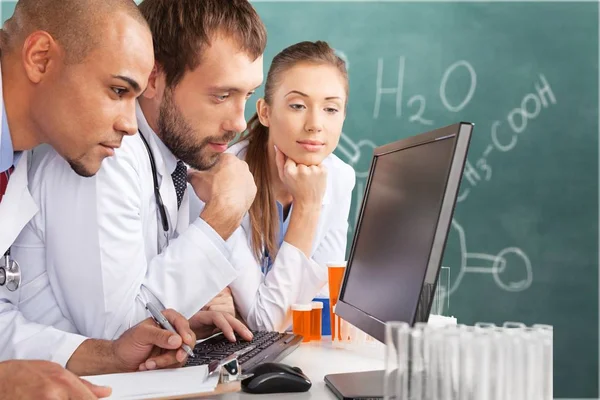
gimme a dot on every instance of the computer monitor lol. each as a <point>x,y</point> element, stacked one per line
<point>399,240</point>
<point>401,231</point>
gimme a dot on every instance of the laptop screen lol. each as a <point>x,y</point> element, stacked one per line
<point>396,232</point>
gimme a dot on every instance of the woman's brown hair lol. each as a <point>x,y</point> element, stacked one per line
<point>263,212</point>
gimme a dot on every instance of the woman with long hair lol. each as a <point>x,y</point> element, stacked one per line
<point>299,219</point>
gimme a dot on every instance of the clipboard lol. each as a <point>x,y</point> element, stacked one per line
<point>181,383</point>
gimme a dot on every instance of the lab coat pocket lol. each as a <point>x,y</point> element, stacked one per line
<point>37,299</point>
<point>33,287</point>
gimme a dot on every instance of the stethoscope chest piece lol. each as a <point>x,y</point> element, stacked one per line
<point>10,273</point>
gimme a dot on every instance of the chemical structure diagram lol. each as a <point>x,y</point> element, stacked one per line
<point>504,136</point>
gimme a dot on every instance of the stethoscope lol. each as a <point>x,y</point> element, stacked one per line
<point>145,294</point>
<point>10,272</point>
<point>266,263</point>
<point>162,211</point>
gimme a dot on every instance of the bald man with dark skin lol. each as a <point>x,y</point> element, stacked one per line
<point>71,71</point>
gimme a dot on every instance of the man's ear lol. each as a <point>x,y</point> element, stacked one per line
<point>40,52</point>
<point>262,110</point>
<point>156,83</point>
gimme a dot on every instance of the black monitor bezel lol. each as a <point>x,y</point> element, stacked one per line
<point>462,135</point>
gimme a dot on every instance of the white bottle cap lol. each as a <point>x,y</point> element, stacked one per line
<point>337,264</point>
<point>301,307</point>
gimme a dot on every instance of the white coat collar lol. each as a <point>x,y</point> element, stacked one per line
<point>17,206</point>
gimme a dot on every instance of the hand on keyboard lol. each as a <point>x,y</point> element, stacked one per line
<point>264,347</point>
<point>204,323</point>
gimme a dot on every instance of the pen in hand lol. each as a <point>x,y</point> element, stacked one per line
<point>165,324</point>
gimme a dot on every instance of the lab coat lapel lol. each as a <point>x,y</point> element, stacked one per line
<point>17,206</point>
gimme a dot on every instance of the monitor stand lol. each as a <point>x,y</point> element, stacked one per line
<point>356,385</point>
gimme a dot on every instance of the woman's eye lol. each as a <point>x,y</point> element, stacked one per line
<point>297,106</point>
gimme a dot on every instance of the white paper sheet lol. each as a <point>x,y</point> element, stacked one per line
<point>159,383</point>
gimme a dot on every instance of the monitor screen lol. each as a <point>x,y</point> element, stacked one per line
<point>397,230</point>
<point>402,229</point>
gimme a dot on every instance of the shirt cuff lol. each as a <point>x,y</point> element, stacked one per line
<point>65,350</point>
<point>224,247</point>
<point>317,273</point>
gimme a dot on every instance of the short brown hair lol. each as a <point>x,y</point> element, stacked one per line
<point>74,24</point>
<point>182,29</point>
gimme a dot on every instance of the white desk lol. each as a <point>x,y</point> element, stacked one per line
<point>319,359</point>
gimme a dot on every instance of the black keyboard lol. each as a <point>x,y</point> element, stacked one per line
<point>264,347</point>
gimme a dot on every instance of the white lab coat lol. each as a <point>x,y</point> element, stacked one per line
<point>20,338</point>
<point>94,246</point>
<point>265,303</point>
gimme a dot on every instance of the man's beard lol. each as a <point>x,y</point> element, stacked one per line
<point>80,169</point>
<point>181,138</point>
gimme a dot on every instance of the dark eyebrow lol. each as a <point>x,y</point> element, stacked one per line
<point>229,89</point>
<point>297,92</point>
<point>305,95</point>
<point>135,86</point>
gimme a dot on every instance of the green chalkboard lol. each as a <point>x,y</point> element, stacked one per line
<point>524,242</point>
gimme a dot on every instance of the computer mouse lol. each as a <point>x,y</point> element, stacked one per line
<point>275,378</point>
